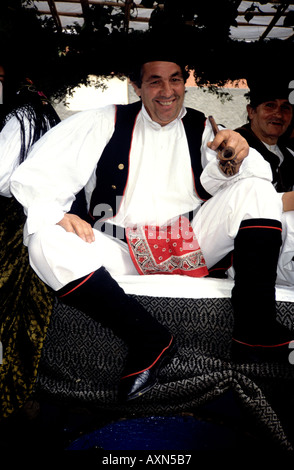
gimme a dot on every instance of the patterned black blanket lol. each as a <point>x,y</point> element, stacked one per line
<point>81,363</point>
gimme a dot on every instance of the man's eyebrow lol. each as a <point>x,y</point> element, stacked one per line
<point>156,77</point>
<point>176,74</point>
<point>153,77</point>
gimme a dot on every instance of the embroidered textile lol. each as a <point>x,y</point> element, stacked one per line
<point>171,249</point>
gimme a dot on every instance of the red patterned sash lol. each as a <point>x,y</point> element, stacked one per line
<point>172,249</point>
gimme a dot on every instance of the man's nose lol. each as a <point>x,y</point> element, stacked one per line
<point>167,88</point>
<point>279,112</point>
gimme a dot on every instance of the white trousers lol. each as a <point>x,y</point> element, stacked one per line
<point>59,257</point>
<point>285,272</point>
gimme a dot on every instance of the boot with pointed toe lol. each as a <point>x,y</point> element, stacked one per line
<point>134,385</point>
<point>99,296</point>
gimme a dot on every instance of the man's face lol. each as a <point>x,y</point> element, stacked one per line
<point>162,90</point>
<point>270,119</point>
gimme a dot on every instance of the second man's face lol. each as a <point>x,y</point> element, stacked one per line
<point>270,119</point>
<point>162,90</point>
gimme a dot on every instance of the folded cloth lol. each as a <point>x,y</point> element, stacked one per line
<point>170,249</point>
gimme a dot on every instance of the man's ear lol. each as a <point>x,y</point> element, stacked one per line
<point>250,111</point>
<point>136,88</point>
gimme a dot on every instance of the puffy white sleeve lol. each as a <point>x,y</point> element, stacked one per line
<point>10,146</point>
<point>213,179</point>
<point>59,165</point>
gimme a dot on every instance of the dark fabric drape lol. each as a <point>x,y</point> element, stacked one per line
<point>25,310</point>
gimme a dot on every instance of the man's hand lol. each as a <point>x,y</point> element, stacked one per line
<point>288,201</point>
<point>231,139</point>
<point>73,223</point>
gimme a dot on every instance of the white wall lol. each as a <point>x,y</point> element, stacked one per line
<point>230,113</point>
<point>89,97</point>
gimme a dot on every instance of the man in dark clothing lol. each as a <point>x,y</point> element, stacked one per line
<point>270,115</point>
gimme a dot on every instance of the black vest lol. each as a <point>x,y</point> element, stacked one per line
<point>283,175</point>
<point>113,166</point>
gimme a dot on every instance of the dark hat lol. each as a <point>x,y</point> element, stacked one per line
<point>155,48</point>
<point>264,89</point>
<point>164,46</point>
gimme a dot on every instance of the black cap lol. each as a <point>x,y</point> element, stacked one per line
<point>267,88</point>
<point>156,48</point>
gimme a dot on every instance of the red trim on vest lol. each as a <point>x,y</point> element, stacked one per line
<point>194,184</point>
<point>129,160</point>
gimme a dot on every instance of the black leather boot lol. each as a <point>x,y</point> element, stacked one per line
<point>257,334</point>
<point>149,343</point>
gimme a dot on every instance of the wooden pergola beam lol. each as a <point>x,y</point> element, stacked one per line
<point>106,3</point>
<point>85,6</point>
<point>280,10</point>
<point>54,14</point>
<point>127,5</point>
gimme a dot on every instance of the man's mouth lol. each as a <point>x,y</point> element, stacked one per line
<point>276,123</point>
<point>165,103</point>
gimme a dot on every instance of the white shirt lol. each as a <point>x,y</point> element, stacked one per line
<point>160,184</point>
<point>275,149</point>
<point>10,147</point>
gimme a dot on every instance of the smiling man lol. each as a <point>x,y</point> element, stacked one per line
<point>162,90</point>
<point>270,115</point>
<point>159,203</point>
<point>270,119</point>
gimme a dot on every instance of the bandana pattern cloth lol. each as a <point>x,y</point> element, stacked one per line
<point>170,249</point>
